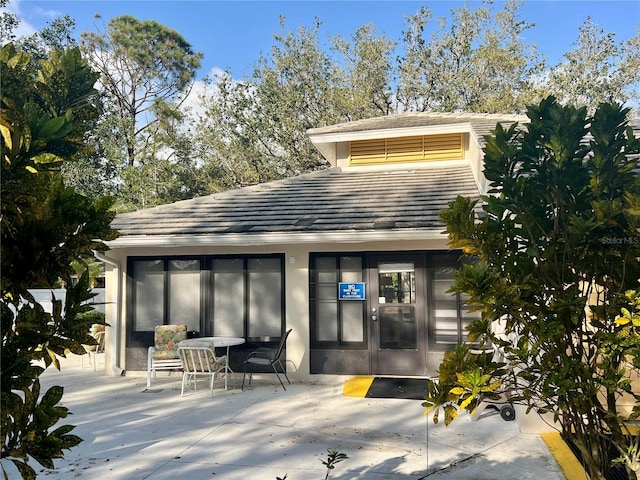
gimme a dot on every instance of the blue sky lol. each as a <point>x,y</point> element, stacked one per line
<point>232,34</point>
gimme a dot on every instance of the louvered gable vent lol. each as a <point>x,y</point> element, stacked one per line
<point>407,149</point>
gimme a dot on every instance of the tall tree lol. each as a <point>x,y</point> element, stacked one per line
<point>294,91</point>
<point>255,130</point>
<point>558,246</point>
<point>169,172</point>
<point>56,35</point>
<point>368,71</point>
<point>8,23</point>
<point>98,172</point>
<point>598,69</point>
<point>477,62</point>
<point>44,115</point>
<point>226,138</point>
<point>147,70</point>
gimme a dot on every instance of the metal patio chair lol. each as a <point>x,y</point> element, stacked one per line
<point>97,331</point>
<point>200,361</point>
<point>266,357</point>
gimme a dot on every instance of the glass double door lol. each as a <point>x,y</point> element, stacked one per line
<point>397,315</point>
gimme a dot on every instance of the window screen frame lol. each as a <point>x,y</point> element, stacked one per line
<point>144,338</point>
<point>453,260</point>
<point>339,342</point>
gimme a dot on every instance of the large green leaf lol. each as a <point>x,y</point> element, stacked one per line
<point>555,252</point>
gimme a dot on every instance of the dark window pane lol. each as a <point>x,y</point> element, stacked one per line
<point>184,293</point>
<point>228,297</point>
<point>265,297</point>
<point>148,285</point>
<point>351,314</point>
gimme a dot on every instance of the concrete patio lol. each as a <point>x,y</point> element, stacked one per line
<point>131,432</point>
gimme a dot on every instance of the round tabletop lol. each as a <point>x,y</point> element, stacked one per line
<point>215,341</point>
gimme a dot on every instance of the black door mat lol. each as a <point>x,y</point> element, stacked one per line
<point>387,387</point>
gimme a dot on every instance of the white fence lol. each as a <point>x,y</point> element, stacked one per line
<point>43,297</point>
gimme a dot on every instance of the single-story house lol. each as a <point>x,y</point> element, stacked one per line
<point>352,258</point>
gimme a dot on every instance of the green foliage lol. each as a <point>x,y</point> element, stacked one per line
<point>477,62</point>
<point>465,378</point>
<point>8,23</point>
<point>255,131</point>
<point>58,34</point>
<point>365,74</point>
<point>44,114</point>
<point>94,316</point>
<point>140,156</point>
<point>29,428</point>
<point>252,130</point>
<point>598,69</point>
<point>156,66</point>
<point>631,458</point>
<point>334,457</point>
<point>146,152</point>
<point>557,247</point>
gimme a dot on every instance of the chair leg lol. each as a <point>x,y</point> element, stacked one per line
<point>226,371</point>
<point>149,368</point>
<point>94,357</point>
<point>284,372</point>
<point>278,375</point>
<point>244,374</point>
<point>274,369</point>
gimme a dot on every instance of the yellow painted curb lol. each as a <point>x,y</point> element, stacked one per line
<point>566,460</point>
<point>357,386</point>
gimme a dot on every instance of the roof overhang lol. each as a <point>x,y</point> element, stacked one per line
<point>326,142</point>
<point>284,238</point>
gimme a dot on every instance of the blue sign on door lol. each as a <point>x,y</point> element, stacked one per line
<point>351,291</point>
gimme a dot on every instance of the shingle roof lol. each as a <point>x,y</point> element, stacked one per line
<point>419,119</point>
<point>332,200</point>
<point>326,201</point>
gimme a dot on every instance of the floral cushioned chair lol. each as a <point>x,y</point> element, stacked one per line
<point>163,355</point>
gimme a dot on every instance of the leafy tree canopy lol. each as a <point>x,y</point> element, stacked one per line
<point>478,62</point>
<point>255,131</point>
<point>44,115</point>
<point>144,67</point>
<point>598,69</point>
<point>558,246</point>
<point>147,151</point>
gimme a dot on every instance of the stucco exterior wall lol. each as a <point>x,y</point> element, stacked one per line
<point>296,259</point>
